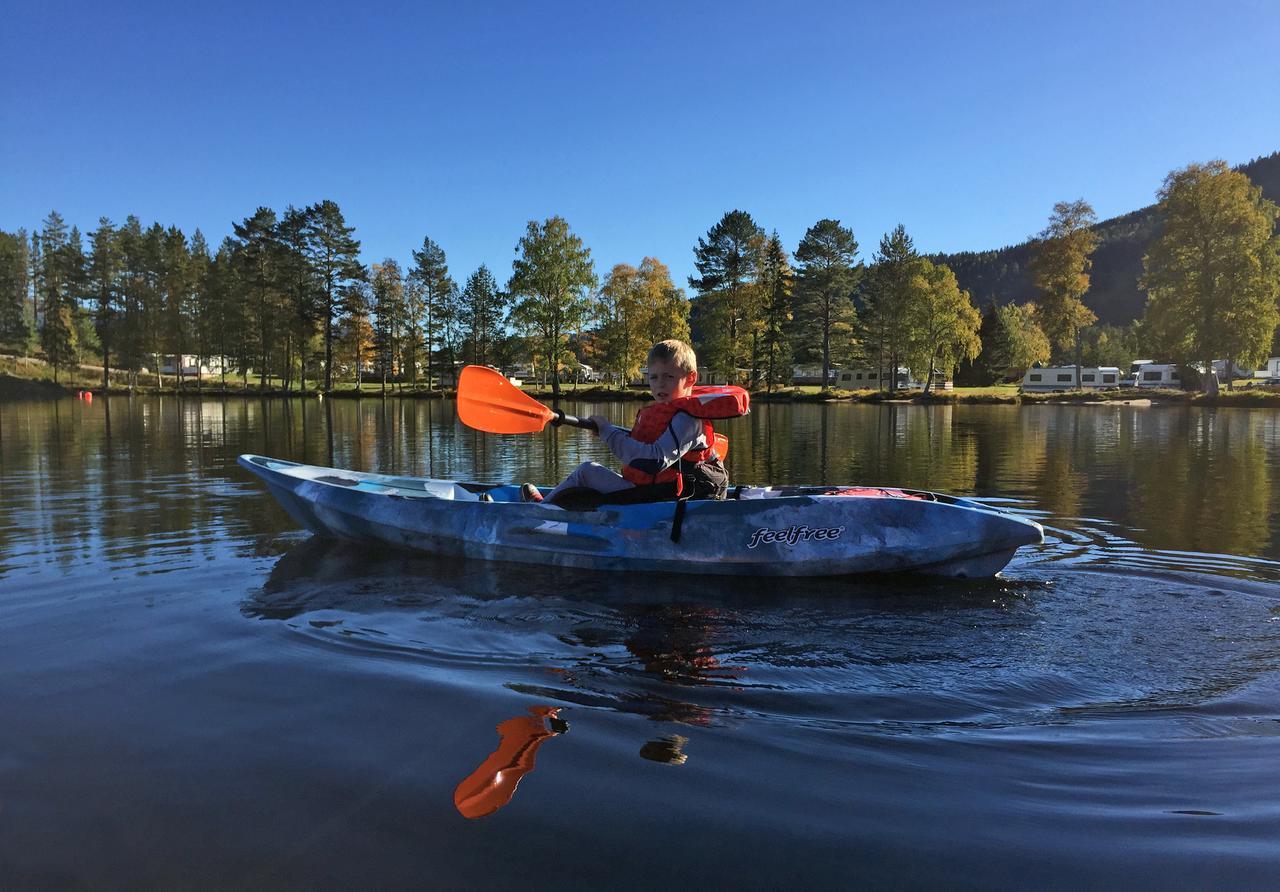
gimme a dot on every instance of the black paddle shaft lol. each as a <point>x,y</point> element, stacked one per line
<point>573,421</point>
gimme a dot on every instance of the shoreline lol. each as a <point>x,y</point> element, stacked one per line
<point>17,389</point>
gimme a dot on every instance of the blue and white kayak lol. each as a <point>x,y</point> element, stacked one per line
<point>759,530</point>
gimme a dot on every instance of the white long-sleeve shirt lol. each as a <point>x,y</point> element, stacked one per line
<point>682,434</point>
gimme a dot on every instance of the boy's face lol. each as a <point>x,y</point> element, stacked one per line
<point>667,382</point>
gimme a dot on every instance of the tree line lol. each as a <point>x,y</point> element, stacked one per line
<point>286,297</point>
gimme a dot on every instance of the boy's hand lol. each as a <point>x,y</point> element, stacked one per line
<point>599,421</point>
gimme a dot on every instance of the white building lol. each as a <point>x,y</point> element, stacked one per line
<point>1064,378</point>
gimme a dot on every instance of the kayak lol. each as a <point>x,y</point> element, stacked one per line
<point>757,531</point>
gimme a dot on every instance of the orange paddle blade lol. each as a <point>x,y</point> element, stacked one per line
<point>487,401</point>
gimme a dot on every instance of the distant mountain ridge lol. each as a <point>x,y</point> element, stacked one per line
<point>1004,275</point>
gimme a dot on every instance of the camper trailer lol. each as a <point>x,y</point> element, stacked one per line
<point>1064,378</point>
<point>874,379</point>
<point>1156,374</point>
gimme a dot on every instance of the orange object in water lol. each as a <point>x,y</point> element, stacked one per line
<point>88,395</point>
<point>492,785</point>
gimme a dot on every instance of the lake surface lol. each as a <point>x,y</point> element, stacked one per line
<point>197,695</point>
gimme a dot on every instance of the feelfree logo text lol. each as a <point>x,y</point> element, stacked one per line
<point>791,535</point>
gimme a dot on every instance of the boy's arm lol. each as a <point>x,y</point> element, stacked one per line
<point>682,434</point>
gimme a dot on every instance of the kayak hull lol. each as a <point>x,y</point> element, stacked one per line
<point>764,532</point>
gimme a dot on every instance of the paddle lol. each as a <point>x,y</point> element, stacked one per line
<point>488,402</point>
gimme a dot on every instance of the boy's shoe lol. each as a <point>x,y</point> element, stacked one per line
<point>529,493</point>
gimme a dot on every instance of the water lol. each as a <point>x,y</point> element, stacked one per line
<point>196,695</point>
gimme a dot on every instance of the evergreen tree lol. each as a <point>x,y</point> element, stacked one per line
<point>62,259</point>
<point>415,316</point>
<point>1213,275</point>
<point>258,255</point>
<point>776,281</point>
<point>222,314</point>
<point>887,302</point>
<point>154,302</point>
<point>727,261</point>
<point>15,276</point>
<point>335,258</point>
<point>485,312</point>
<point>104,289</point>
<point>175,297</point>
<point>827,277</point>
<point>356,330</point>
<point>389,313</point>
<point>431,274</point>
<point>200,273</point>
<point>128,339</point>
<point>551,279</point>
<point>35,262</point>
<point>1061,272</point>
<point>301,286</point>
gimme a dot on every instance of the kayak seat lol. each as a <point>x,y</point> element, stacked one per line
<point>584,498</point>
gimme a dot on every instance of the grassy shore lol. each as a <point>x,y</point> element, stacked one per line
<point>22,378</point>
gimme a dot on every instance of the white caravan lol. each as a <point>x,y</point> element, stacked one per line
<point>1156,374</point>
<point>874,379</point>
<point>1064,378</point>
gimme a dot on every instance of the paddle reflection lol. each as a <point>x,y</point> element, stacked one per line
<point>492,785</point>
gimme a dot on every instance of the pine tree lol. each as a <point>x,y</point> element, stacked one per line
<point>485,311</point>
<point>727,261</point>
<point>389,312</point>
<point>200,272</point>
<point>827,277</point>
<point>887,300</point>
<point>104,290</point>
<point>431,274</point>
<point>175,297</point>
<point>15,277</point>
<point>335,258</point>
<point>258,255</point>
<point>129,338</point>
<point>777,283</point>
<point>62,274</point>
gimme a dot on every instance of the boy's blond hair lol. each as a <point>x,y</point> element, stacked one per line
<point>678,353</point>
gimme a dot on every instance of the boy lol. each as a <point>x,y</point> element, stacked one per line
<point>670,453</point>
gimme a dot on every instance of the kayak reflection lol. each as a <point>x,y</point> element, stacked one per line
<point>492,785</point>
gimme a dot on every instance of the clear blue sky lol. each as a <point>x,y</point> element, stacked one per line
<point>641,123</point>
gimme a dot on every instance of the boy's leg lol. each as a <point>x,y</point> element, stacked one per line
<point>593,476</point>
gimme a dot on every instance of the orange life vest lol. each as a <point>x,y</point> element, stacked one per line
<point>704,403</point>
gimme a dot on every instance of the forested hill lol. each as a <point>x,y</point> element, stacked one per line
<point>1003,275</point>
